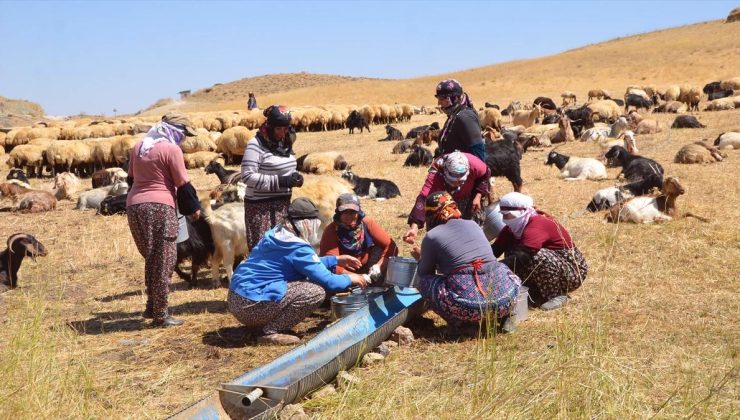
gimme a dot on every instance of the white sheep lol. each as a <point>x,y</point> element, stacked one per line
<point>576,168</point>
<point>321,162</point>
<point>729,140</point>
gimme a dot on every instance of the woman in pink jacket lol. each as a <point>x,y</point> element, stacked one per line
<point>463,175</point>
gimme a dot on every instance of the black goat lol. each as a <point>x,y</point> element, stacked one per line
<point>393,133</point>
<point>113,205</point>
<point>545,103</point>
<point>414,132</point>
<point>618,101</point>
<point>551,119</point>
<point>580,118</point>
<point>224,175</point>
<point>356,120</point>
<point>642,173</point>
<point>712,87</point>
<point>198,249</point>
<point>371,187</point>
<point>503,156</point>
<point>18,174</point>
<point>637,101</point>
<point>20,245</point>
<point>687,121</point>
<point>718,94</point>
<point>490,105</point>
<point>420,156</point>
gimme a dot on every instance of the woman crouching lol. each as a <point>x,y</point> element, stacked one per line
<point>470,283</point>
<point>283,280</point>
<point>540,251</point>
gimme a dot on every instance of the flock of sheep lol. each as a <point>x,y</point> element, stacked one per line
<point>68,150</point>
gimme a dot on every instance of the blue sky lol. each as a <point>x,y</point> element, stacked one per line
<point>94,56</point>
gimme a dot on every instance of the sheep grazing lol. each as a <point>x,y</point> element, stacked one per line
<point>687,121</point>
<point>698,152</point>
<point>526,118</point>
<point>200,159</point>
<point>605,110</point>
<point>419,156</point>
<point>371,187</point>
<point>576,168</point>
<point>232,143</point>
<point>729,140</point>
<point>645,209</point>
<point>200,143</point>
<point>569,98</point>
<point>29,156</point>
<point>642,173</point>
<point>20,245</point>
<point>18,175</point>
<point>224,175</point>
<point>321,163</point>
<point>403,146</point>
<point>393,133</point>
<point>198,248</point>
<point>691,96</point>
<point>357,120</point>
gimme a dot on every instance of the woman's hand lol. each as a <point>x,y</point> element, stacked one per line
<point>410,236</point>
<point>359,280</point>
<point>348,261</point>
<point>196,215</point>
<point>416,252</point>
<point>475,208</point>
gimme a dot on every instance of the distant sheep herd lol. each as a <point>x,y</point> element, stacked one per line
<point>69,150</point>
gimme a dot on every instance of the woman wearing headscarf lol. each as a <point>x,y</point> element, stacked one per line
<point>540,251</point>
<point>354,234</point>
<point>159,185</point>
<point>269,171</point>
<point>460,278</point>
<point>283,280</point>
<point>462,128</point>
<point>462,175</point>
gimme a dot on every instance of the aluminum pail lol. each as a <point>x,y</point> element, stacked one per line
<point>401,272</point>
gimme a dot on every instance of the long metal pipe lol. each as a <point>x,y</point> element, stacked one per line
<point>311,365</point>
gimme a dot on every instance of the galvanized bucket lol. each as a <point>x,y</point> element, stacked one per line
<point>344,305</point>
<point>402,272</point>
<point>522,304</point>
<point>494,221</point>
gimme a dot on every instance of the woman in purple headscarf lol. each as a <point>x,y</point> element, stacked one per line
<point>462,128</point>
<point>540,251</point>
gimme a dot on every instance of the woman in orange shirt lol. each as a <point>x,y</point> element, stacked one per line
<point>352,233</point>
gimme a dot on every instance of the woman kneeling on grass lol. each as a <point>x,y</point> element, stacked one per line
<point>540,251</point>
<point>470,282</point>
<point>283,280</point>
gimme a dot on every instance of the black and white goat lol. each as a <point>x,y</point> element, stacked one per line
<point>642,173</point>
<point>379,189</point>
<point>576,168</point>
<point>111,205</point>
<point>20,245</point>
<point>19,176</point>
<point>224,175</point>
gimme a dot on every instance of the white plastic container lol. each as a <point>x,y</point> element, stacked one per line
<point>522,304</point>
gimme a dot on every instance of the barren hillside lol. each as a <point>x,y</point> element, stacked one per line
<point>14,112</point>
<point>694,54</point>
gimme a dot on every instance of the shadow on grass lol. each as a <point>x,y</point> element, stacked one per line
<point>232,337</point>
<point>119,321</point>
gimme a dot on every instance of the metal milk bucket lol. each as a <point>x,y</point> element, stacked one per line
<point>344,305</point>
<point>371,292</point>
<point>522,305</point>
<point>494,221</point>
<point>401,272</point>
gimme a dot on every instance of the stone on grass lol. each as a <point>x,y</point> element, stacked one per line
<point>372,359</point>
<point>383,349</point>
<point>293,412</point>
<point>345,380</point>
<point>325,391</point>
<point>403,336</point>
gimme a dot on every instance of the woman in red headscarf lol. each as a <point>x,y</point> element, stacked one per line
<point>460,278</point>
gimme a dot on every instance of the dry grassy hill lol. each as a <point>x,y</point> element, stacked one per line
<point>18,112</point>
<point>694,54</point>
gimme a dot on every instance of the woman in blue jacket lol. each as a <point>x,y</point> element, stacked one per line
<point>283,280</point>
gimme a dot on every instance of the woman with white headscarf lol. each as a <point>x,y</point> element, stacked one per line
<point>540,251</point>
<point>464,176</point>
<point>283,280</point>
<point>159,185</point>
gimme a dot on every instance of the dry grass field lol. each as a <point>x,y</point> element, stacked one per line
<point>653,332</point>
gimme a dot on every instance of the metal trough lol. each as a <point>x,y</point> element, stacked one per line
<point>263,391</point>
